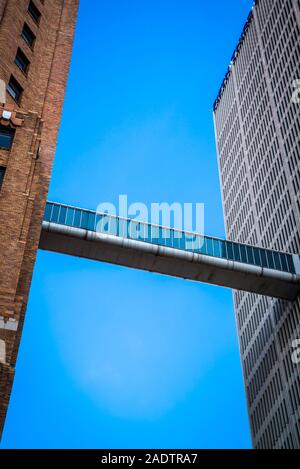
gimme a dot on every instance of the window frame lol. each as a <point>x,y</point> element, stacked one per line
<point>34,12</point>
<point>14,82</point>
<point>8,131</point>
<point>29,33</point>
<point>21,57</point>
<point>2,176</point>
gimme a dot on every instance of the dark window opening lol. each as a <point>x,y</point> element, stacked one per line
<point>14,89</point>
<point>34,12</point>
<point>28,35</point>
<point>2,173</point>
<point>6,137</point>
<point>22,61</point>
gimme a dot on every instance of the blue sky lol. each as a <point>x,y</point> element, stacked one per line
<point>112,357</point>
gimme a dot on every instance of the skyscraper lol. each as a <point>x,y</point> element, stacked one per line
<point>257,127</point>
<point>36,39</point>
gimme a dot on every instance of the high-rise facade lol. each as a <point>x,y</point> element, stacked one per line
<point>257,127</point>
<point>36,39</point>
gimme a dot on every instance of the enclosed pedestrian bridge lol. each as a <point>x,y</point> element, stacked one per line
<point>130,243</point>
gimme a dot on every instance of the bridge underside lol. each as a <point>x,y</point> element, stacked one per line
<point>169,261</point>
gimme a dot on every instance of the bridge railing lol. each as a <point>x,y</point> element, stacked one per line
<point>145,232</point>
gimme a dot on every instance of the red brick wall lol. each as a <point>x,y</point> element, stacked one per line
<point>29,162</point>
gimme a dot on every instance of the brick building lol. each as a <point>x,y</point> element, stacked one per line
<point>36,39</point>
<point>257,130</point>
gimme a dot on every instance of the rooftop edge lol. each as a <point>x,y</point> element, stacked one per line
<point>234,56</point>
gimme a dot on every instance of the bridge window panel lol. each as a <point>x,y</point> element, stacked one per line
<point>137,232</point>
<point>167,237</point>
<point>62,215</point>
<point>185,245</point>
<point>70,216</point>
<point>125,228</point>
<point>217,248</point>
<point>133,227</point>
<point>159,240</point>
<point>120,227</point>
<point>229,248</point>
<point>48,211</point>
<point>99,223</point>
<point>148,233</point>
<point>148,237</point>
<point>84,219</point>
<point>277,260</point>
<point>142,233</point>
<point>170,239</point>
<point>223,249</point>
<point>178,241</point>
<point>271,264</point>
<point>202,245</point>
<point>55,213</point>
<point>236,252</point>
<point>77,218</point>
<point>263,256</point>
<point>256,254</point>
<point>243,253</point>
<point>250,254</point>
<point>183,241</point>
<point>193,242</point>
<point>162,237</point>
<point>112,226</point>
<point>6,137</point>
<point>91,222</point>
<point>290,263</point>
<point>284,264</point>
<point>209,247</point>
<point>154,233</point>
<point>105,224</point>
<point>198,244</point>
<point>190,242</point>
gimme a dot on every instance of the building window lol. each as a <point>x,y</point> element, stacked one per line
<point>34,12</point>
<point>2,173</point>
<point>22,61</point>
<point>15,89</point>
<point>6,137</point>
<point>28,35</point>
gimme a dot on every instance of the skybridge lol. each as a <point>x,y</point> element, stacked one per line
<point>131,243</point>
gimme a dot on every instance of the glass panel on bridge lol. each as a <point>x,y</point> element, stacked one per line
<point>145,232</point>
